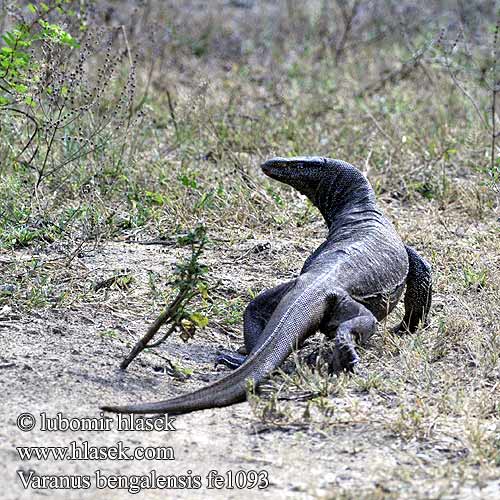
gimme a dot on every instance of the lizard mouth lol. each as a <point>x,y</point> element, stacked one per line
<point>271,166</point>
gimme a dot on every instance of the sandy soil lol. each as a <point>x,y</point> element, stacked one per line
<point>66,360</point>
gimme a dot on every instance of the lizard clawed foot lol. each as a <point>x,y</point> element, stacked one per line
<point>343,358</point>
<point>337,359</point>
<point>231,360</point>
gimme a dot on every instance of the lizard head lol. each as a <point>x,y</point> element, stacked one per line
<point>309,173</point>
<point>299,171</point>
<point>332,185</point>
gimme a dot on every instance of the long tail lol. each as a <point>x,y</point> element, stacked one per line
<point>287,328</point>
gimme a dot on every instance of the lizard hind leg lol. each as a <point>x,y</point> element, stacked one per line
<point>349,323</point>
<point>344,356</point>
<point>255,318</point>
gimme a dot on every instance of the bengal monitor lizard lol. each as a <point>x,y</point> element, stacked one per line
<point>351,281</point>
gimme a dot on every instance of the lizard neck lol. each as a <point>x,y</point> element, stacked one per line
<point>344,198</point>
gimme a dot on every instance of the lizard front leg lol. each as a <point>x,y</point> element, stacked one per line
<point>418,293</point>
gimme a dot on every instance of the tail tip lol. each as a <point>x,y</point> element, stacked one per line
<point>111,409</point>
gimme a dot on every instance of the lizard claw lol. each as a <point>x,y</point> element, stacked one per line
<point>231,360</point>
<point>337,359</point>
<point>343,358</point>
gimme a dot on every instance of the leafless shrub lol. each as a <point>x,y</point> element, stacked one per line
<point>473,70</point>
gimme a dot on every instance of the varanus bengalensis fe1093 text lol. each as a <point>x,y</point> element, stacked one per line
<point>351,281</point>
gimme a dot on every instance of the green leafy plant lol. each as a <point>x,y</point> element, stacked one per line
<point>67,120</point>
<point>60,120</point>
<point>18,61</point>
<point>189,282</point>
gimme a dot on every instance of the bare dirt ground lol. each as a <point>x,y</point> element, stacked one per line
<point>65,359</point>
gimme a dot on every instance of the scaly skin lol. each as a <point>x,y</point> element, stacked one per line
<point>354,278</point>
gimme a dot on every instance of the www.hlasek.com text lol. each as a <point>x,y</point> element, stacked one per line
<point>84,451</point>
